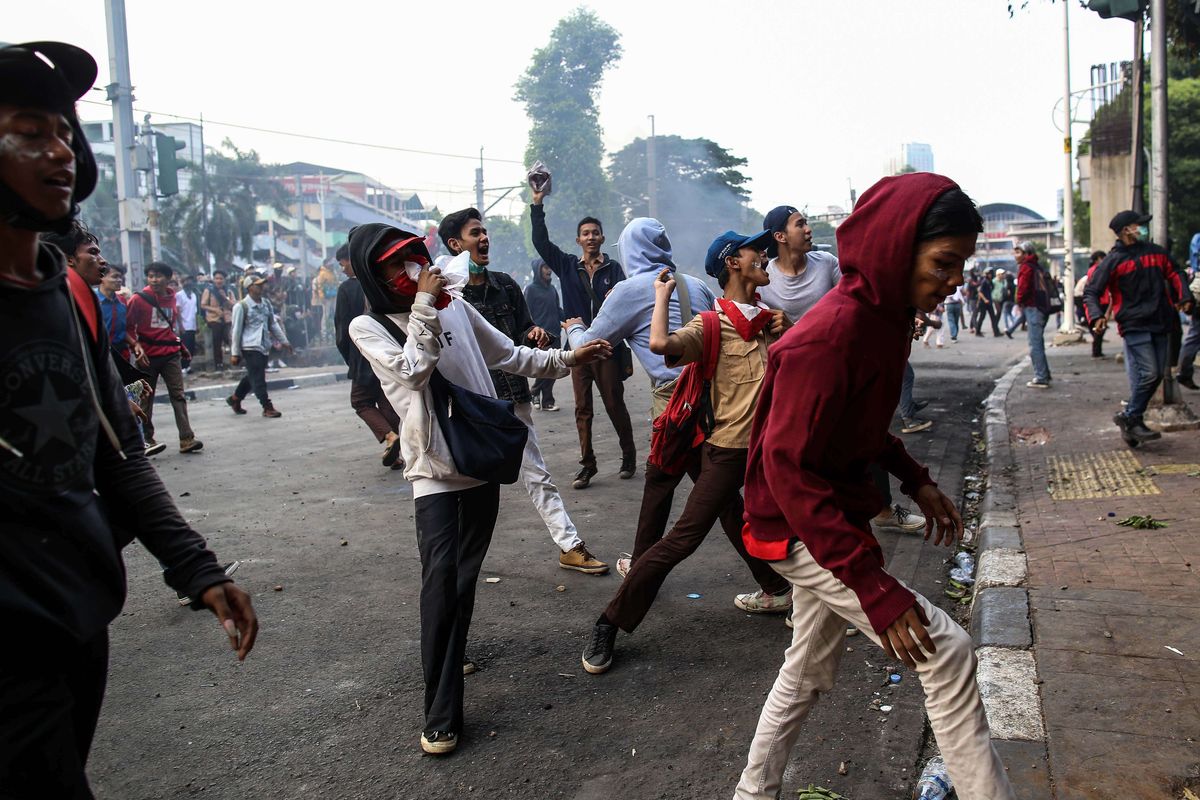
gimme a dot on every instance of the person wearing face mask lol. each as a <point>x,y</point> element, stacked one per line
<point>75,485</point>
<point>497,297</point>
<point>809,496</point>
<point>745,328</point>
<point>430,327</point>
<point>1144,289</point>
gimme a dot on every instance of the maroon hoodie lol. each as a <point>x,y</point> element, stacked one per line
<point>831,387</point>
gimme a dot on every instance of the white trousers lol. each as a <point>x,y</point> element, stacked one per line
<point>541,488</point>
<point>821,607</point>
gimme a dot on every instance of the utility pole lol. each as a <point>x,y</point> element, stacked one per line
<point>300,226</point>
<point>479,184</point>
<point>204,201</point>
<point>321,200</point>
<point>652,171</point>
<point>1158,121</point>
<point>120,93</point>
<point>1138,79</point>
<point>1068,273</point>
<point>151,192</point>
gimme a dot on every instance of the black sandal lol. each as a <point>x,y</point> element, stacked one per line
<point>392,453</point>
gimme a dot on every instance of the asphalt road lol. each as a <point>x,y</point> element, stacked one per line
<point>329,703</point>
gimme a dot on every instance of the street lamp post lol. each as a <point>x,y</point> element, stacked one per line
<point>1068,274</point>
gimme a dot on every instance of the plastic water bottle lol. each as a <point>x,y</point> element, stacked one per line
<point>935,781</point>
<point>960,575</point>
<point>965,560</point>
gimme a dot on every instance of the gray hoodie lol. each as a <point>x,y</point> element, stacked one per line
<point>645,252</point>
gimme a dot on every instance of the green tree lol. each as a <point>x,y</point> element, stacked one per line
<point>508,251</point>
<point>236,183</point>
<point>559,90</point>
<point>1183,155</point>
<point>701,192</point>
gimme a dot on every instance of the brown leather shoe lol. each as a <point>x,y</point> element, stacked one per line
<point>269,411</point>
<point>579,559</point>
<point>192,445</point>
<point>235,402</point>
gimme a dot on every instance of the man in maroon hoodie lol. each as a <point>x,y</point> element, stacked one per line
<point>809,497</point>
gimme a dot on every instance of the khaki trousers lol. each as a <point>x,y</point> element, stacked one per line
<point>821,607</point>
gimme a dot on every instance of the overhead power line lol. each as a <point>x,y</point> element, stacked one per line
<point>311,137</point>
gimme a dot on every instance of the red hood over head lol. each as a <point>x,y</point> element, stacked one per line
<point>876,243</point>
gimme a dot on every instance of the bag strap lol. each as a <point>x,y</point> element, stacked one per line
<point>85,301</point>
<point>391,327</point>
<point>685,300</point>
<point>152,300</point>
<point>586,280</point>
<point>712,343</point>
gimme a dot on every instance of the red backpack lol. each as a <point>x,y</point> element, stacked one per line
<point>688,420</point>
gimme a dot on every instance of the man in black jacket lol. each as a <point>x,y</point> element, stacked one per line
<point>76,485</point>
<point>366,392</point>
<point>585,283</point>
<point>498,298</point>
<point>1145,289</point>
<point>547,313</point>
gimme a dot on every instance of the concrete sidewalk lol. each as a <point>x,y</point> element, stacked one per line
<point>1115,611</point>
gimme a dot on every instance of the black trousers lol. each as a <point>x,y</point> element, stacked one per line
<point>985,311</point>
<point>189,344</point>
<point>454,530</point>
<point>220,334</point>
<point>47,720</point>
<point>255,379</point>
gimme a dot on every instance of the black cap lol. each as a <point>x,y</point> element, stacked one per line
<point>776,219</point>
<point>1124,218</point>
<point>46,75</point>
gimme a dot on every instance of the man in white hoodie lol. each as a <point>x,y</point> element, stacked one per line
<point>455,514</point>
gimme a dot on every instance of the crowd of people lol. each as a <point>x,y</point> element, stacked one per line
<point>774,397</point>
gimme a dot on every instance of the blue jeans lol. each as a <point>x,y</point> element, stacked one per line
<point>1035,322</point>
<point>1146,356</point>
<point>954,316</point>
<point>906,399</point>
<point>1018,321</point>
<point>1189,349</point>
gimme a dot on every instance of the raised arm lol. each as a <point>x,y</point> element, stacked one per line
<point>554,257</point>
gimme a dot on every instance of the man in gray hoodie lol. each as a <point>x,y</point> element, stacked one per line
<point>646,250</point>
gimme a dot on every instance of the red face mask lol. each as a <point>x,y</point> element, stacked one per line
<point>402,284</point>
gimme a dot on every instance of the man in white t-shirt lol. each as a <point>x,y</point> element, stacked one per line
<point>187,301</point>
<point>800,276</point>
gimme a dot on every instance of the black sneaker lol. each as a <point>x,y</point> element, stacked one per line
<point>1136,428</point>
<point>1189,383</point>
<point>584,478</point>
<point>597,657</point>
<point>628,467</point>
<point>439,743</point>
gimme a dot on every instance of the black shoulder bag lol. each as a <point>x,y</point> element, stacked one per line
<point>621,353</point>
<point>485,436</point>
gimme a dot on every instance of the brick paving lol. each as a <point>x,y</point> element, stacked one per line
<point>1122,711</point>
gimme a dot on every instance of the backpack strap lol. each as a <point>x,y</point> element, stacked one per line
<point>391,327</point>
<point>85,302</point>
<point>712,343</point>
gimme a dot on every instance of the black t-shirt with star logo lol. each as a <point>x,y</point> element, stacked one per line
<point>63,485</point>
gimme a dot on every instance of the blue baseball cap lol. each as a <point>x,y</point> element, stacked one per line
<point>729,243</point>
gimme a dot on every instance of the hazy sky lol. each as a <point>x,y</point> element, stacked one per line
<point>812,93</point>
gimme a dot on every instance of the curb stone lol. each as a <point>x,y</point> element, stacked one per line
<point>1000,622</point>
<point>223,390</point>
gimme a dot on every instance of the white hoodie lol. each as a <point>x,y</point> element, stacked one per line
<point>463,346</point>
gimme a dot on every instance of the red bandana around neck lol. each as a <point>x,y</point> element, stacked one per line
<point>747,328</point>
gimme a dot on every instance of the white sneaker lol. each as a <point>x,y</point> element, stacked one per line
<point>899,518</point>
<point>759,602</point>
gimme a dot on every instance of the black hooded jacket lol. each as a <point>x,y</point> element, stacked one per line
<point>363,241</point>
<point>351,302</point>
<point>544,305</point>
<point>69,501</point>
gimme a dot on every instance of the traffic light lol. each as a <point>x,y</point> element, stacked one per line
<point>1131,10</point>
<point>169,163</point>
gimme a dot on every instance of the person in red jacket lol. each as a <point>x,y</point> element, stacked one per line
<point>150,321</point>
<point>1034,299</point>
<point>831,385</point>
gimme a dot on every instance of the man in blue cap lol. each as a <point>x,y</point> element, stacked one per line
<point>746,328</point>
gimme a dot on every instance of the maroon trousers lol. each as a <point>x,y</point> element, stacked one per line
<point>718,474</point>
<point>604,374</point>
<point>373,408</point>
